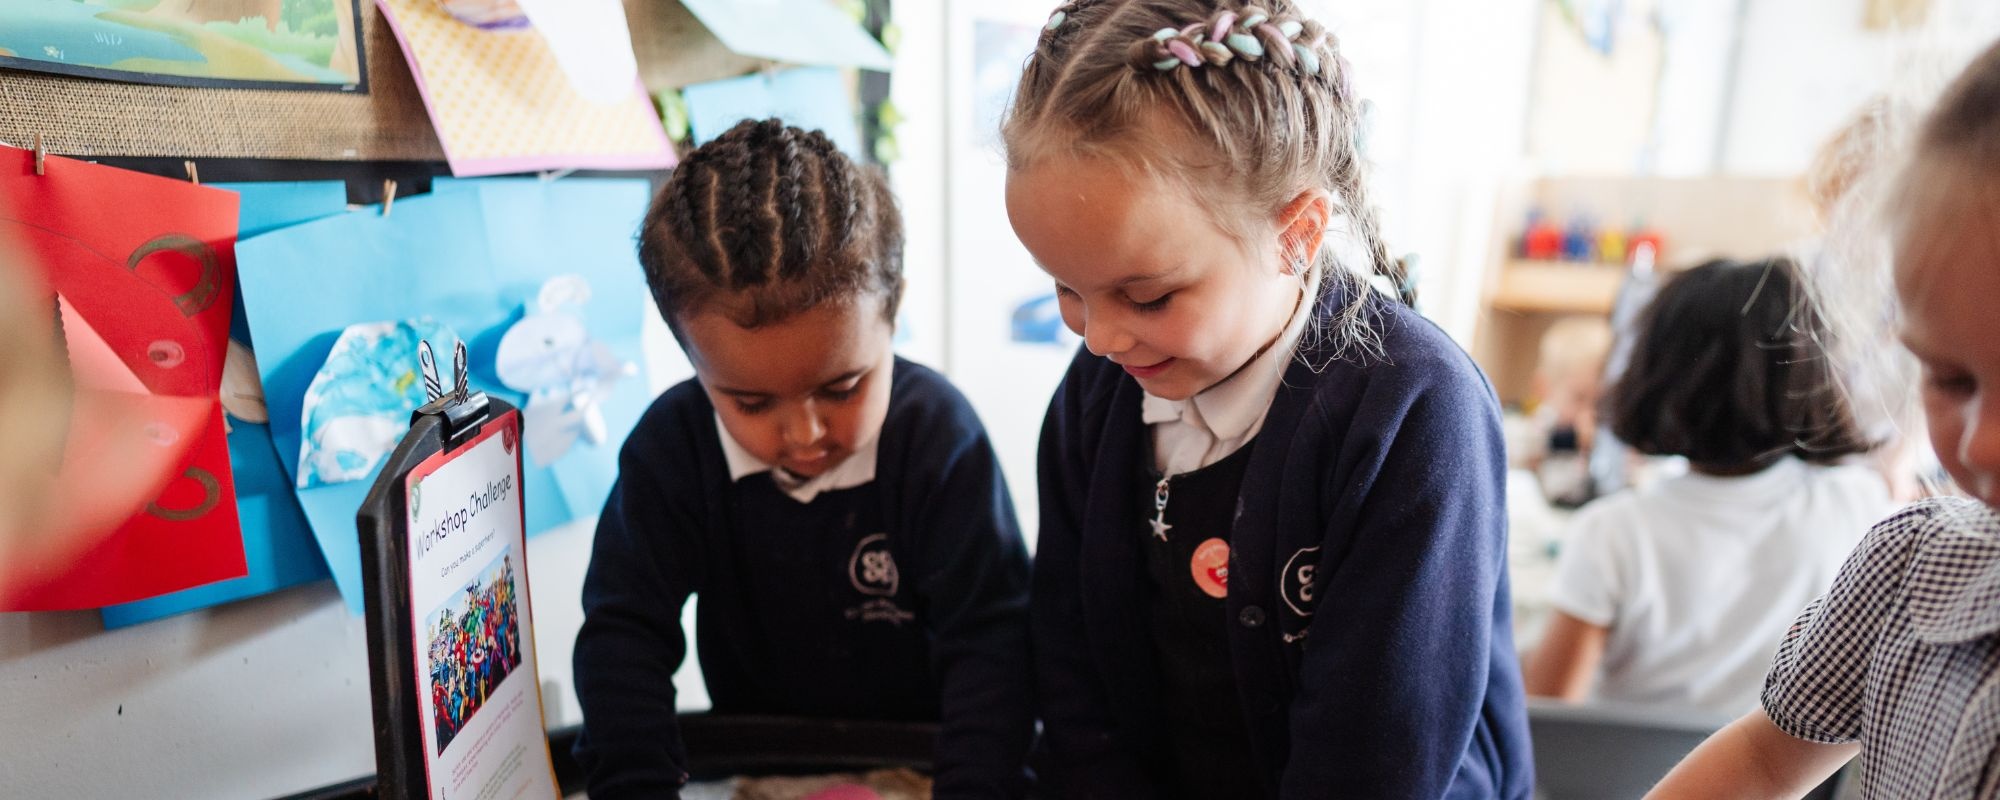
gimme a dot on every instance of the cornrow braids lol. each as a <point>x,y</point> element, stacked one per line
<point>767,221</point>
<point>798,207</point>
<point>1256,98</point>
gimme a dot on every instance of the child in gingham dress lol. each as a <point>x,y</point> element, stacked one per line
<point>1900,662</point>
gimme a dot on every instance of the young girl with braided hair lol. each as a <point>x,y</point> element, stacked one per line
<point>1272,550</point>
<point>838,509</point>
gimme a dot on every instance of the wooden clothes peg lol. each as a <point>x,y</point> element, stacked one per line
<point>388,195</point>
<point>41,156</point>
<point>194,175</point>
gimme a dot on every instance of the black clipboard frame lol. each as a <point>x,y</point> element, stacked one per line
<point>442,425</point>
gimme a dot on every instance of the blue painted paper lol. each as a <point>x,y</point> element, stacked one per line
<point>468,257</point>
<point>810,98</point>
<point>278,548</point>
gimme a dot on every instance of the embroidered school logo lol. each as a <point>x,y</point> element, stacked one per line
<point>872,569</point>
<point>1298,581</point>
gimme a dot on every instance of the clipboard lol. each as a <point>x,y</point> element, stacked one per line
<point>452,666</point>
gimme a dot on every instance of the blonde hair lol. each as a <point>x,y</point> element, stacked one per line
<point>1574,346</point>
<point>1265,115</point>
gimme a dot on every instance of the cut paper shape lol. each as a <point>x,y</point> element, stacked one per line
<point>792,31</point>
<point>500,101</point>
<point>809,98</point>
<point>278,547</point>
<point>358,405</point>
<point>550,356</point>
<point>591,42</point>
<point>268,206</point>
<point>139,263</point>
<point>242,391</point>
<point>470,255</point>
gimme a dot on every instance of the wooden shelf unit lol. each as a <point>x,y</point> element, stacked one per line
<point>1701,218</point>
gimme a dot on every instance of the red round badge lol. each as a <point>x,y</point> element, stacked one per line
<point>1211,568</point>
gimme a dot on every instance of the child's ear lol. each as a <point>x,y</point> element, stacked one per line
<point>1302,227</point>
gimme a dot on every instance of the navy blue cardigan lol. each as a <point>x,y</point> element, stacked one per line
<point>800,612</point>
<point>1370,626</point>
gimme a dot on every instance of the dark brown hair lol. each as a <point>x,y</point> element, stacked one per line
<point>767,221</point>
<point>1730,371</point>
<point>1265,128</point>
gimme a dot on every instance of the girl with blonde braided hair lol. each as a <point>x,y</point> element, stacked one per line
<point>839,510</point>
<point>1272,549</point>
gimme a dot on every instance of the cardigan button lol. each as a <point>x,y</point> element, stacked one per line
<point>1251,617</point>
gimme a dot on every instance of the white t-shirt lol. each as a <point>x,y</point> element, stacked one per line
<point>1698,577</point>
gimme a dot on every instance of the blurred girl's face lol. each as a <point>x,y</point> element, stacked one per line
<point>1948,282</point>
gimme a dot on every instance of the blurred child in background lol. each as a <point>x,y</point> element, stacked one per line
<point>1673,594</point>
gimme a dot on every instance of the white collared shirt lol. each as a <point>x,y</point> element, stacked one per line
<point>1201,430</point>
<point>855,470</point>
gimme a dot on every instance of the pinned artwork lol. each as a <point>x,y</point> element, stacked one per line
<point>260,44</point>
<point>591,43</point>
<point>506,99</point>
<point>471,255</point>
<point>142,269</point>
<point>792,31</point>
<point>278,547</point>
<point>550,356</point>
<point>359,402</point>
<point>808,98</point>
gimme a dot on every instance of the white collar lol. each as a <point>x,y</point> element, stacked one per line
<point>1229,409</point>
<point>856,470</point>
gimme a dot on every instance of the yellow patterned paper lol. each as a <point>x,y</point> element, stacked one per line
<point>501,103</point>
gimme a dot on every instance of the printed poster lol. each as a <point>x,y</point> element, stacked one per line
<point>479,701</point>
<point>241,44</point>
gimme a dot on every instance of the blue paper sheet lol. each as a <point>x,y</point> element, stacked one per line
<point>792,31</point>
<point>469,257</point>
<point>812,98</point>
<point>278,548</point>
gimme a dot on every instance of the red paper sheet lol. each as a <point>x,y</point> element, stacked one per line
<point>145,270</point>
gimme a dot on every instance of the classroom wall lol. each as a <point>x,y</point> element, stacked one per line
<point>1734,87</point>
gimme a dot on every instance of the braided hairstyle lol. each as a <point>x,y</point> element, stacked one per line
<point>767,221</point>
<point>1254,97</point>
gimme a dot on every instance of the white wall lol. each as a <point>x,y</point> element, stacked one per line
<point>1448,80</point>
<point>1739,87</point>
<point>1809,64</point>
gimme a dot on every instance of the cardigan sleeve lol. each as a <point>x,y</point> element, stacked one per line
<point>631,640</point>
<point>976,595</point>
<point>1394,674</point>
<point>1086,757</point>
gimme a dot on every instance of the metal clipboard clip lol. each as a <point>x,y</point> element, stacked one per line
<point>462,410</point>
